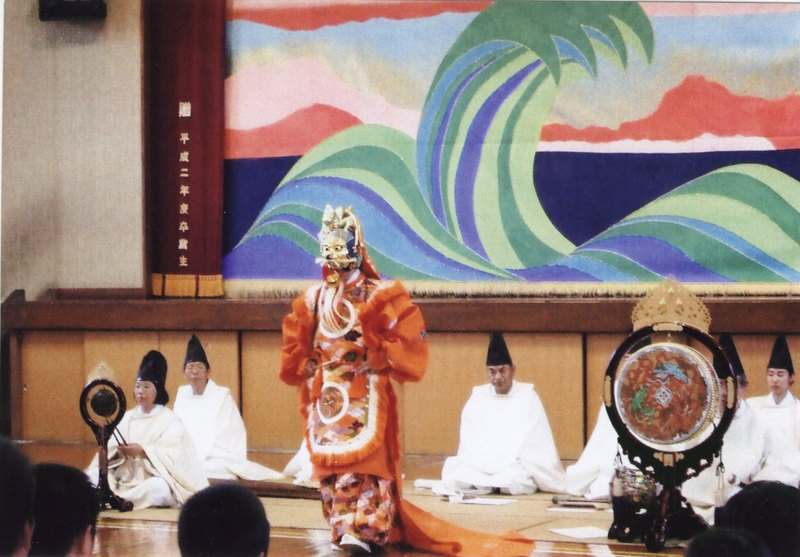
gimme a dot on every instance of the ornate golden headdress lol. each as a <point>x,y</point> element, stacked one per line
<point>340,218</point>
<point>670,302</point>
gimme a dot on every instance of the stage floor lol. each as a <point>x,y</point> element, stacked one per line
<point>298,529</point>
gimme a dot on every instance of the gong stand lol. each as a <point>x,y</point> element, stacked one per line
<point>102,406</point>
<point>669,515</point>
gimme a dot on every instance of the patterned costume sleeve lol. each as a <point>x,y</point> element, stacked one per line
<point>394,334</point>
<point>298,334</point>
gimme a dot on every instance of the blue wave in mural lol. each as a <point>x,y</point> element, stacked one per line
<point>459,202</point>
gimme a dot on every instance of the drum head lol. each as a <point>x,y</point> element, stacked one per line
<point>667,395</point>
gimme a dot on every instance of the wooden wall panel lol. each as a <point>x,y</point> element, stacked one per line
<point>53,377</point>
<point>599,349</point>
<point>222,352</point>
<point>432,409</point>
<point>269,406</point>
<point>55,366</point>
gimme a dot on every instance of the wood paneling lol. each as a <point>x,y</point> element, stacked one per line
<point>599,349</point>
<point>433,406</point>
<point>269,406</point>
<point>243,342</point>
<point>52,378</point>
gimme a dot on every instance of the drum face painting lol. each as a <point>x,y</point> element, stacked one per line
<point>668,395</point>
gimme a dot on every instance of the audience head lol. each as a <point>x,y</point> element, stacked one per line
<point>769,509</point>
<point>66,511</point>
<point>727,542</point>
<point>780,372</point>
<point>499,366</point>
<point>153,370</point>
<point>195,366</point>
<point>17,491</point>
<point>223,519</point>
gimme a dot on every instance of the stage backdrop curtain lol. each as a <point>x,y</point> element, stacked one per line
<point>184,65</point>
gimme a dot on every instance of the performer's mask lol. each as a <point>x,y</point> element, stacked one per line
<point>337,249</point>
<point>340,239</point>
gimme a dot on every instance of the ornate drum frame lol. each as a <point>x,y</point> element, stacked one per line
<point>681,452</point>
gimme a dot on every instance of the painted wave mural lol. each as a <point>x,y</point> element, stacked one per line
<point>464,200</point>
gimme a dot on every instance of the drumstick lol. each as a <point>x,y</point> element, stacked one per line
<point>118,436</point>
<point>573,502</point>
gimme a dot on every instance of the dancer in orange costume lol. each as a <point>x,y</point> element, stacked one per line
<point>344,341</point>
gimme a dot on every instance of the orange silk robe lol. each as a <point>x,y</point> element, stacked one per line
<point>387,342</point>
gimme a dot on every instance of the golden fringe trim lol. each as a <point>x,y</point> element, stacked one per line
<point>187,286</point>
<point>270,289</point>
<point>210,286</point>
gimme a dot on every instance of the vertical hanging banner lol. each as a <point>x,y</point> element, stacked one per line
<point>184,65</point>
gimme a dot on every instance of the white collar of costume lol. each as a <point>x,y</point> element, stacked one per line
<point>208,392</point>
<point>154,411</point>
<point>788,400</point>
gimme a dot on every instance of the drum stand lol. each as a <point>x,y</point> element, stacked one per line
<point>107,498</point>
<point>670,516</point>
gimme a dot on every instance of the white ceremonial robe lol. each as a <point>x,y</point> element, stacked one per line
<point>505,443</point>
<point>751,451</point>
<point>785,416</point>
<point>168,474</point>
<point>217,430</point>
<point>591,474</point>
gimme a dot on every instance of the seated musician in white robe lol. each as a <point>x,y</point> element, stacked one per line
<point>752,450</point>
<point>213,421</point>
<point>780,408</point>
<point>506,444</point>
<point>152,461</point>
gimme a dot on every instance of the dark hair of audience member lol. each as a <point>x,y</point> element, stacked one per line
<point>223,519</point>
<point>66,505</point>
<point>771,510</point>
<point>727,542</point>
<point>17,489</point>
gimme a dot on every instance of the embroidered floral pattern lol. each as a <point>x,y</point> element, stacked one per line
<point>344,363</point>
<point>359,504</point>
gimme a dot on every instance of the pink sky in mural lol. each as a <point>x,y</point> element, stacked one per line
<point>294,135</point>
<point>691,117</point>
<point>715,8</point>
<point>301,83</point>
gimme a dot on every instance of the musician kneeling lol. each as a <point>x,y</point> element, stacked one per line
<point>505,444</point>
<point>152,462</point>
